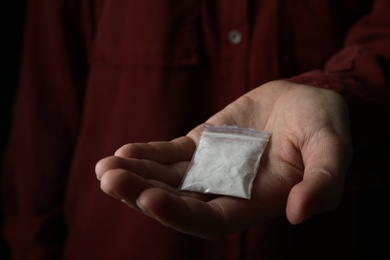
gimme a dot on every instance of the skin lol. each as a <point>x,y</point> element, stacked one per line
<point>301,172</point>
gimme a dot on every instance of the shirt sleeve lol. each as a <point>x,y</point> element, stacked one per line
<point>361,73</point>
<point>46,119</point>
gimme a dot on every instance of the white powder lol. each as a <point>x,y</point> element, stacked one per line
<point>226,161</point>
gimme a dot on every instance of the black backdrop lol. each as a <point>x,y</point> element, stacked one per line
<point>12,23</point>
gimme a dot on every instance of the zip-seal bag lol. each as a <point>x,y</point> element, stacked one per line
<point>226,161</point>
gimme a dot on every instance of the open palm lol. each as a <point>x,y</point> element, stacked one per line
<point>301,172</point>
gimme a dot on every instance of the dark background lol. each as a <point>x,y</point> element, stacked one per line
<point>12,22</point>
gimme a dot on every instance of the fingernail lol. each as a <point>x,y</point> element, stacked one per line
<point>143,209</point>
<point>139,205</point>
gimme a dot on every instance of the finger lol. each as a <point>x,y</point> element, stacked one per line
<point>195,133</point>
<point>186,214</point>
<point>322,185</point>
<point>206,216</point>
<point>127,187</point>
<point>315,194</point>
<point>122,185</point>
<point>170,174</point>
<point>115,162</point>
<point>180,149</point>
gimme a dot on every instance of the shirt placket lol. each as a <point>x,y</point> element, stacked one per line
<point>233,22</point>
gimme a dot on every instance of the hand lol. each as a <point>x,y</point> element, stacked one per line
<point>301,172</point>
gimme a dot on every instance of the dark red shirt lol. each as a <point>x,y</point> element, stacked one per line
<point>99,74</point>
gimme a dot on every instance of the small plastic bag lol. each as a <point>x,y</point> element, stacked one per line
<point>226,161</point>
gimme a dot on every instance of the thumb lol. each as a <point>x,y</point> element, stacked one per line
<point>316,193</point>
<point>322,186</point>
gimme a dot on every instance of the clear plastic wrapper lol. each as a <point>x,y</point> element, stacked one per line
<point>226,161</point>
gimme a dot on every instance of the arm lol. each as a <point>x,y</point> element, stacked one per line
<point>360,73</point>
<point>302,173</point>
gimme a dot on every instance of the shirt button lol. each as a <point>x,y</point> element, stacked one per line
<point>234,37</point>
